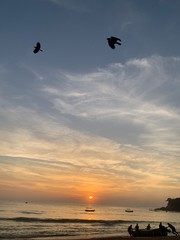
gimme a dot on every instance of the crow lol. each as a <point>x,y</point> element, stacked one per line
<point>112,41</point>
<point>37,48</point>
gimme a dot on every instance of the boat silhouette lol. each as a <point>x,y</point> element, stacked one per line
<point>89,209</point>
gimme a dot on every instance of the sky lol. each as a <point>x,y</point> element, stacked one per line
<point>80,118</point>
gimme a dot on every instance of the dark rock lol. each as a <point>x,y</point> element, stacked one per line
<point>173,205</point>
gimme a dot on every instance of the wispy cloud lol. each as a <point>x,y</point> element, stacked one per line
<point>135,94</point>
<point>120,122</point>
<point>69,4</point>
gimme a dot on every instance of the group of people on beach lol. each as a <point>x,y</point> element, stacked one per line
<point>172,228</point>
<point>136,228</point>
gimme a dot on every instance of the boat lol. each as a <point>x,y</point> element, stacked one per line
<point>129,210</point>
<point>88,209</point>
<point>150,233</point>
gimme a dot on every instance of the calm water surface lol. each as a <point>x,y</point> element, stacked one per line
<point>21,220</point>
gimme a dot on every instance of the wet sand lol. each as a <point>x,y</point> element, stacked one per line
<point>138,238</point>
<point>105,238</point>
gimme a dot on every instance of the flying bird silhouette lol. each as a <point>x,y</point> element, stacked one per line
<point>37,48</point>
<point>113,40</point>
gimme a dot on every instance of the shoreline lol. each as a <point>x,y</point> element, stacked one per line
<point>102,238</point>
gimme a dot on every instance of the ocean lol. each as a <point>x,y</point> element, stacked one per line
<point>37,221</point>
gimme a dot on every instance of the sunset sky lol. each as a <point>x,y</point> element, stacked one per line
<point>82,119</point>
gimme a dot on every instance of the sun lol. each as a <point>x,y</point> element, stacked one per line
<point>90,197</point>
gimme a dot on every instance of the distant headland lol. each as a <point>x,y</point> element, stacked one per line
<point>173,205</point>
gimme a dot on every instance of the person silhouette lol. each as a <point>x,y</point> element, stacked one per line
<point>148,227</point>
<point>173,229</point>
<point>137,227</point>
<point>130,229</point>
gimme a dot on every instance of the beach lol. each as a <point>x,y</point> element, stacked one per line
<point>109,238</point>
<point>138,238</point>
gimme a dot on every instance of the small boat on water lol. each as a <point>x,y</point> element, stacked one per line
<point>150,233</point>
<point>129,210</point>
<point>88,209</point>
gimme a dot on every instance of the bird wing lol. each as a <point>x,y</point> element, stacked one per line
<point>115,39</point>
<point>38,45</point>
<point>111,44</point>
<point>35,50</point>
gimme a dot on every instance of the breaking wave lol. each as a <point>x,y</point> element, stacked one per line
<point>66,220</point>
